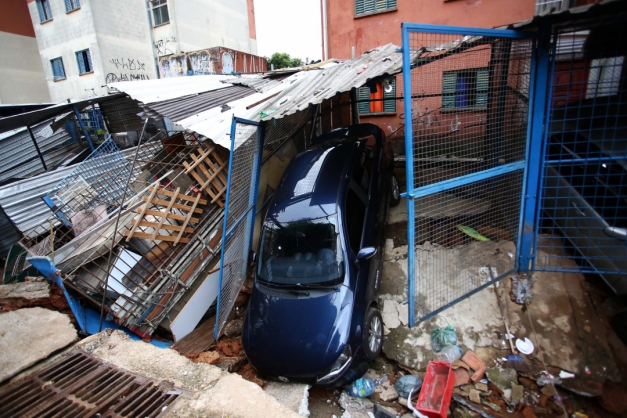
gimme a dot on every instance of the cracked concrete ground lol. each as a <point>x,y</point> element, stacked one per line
<point>568,330</point>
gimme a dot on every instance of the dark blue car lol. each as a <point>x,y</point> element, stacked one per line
<point>313,315</point>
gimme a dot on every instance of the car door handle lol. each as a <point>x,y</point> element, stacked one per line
<point>618,233</point>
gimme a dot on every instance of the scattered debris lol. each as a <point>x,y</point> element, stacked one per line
<point>525,346</point>
<point>522,289</point>
<point>442,337</point>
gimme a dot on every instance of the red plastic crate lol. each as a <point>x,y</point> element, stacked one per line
<point>437,390</point>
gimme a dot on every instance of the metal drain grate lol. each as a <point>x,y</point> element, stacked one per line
<point>82,386</point>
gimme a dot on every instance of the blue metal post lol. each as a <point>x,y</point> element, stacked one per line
<point>535,135</point>
<point>409,174</point>
<point>257,174</point>
<point>224,226</point>
<point>82,125</point>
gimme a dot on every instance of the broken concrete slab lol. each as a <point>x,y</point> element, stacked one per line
<point>30,335</point>
<point>502,378</point>
<point>217,394</point>
<point>295,396</point>
<point>23,295</point>
<point>355,407</point>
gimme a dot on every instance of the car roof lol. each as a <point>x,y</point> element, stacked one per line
<point>312,182</point>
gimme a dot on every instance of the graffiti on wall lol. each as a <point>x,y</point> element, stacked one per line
<point>216,60</point>
<point>173,66</point>
<point>166,46</point>
<point>126,69</point>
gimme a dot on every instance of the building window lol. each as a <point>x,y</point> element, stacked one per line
<point>160,12</point>
<point>45,12</point>
<point>84,62</point>
<point>367,7</point>
<point>465,89</point>
<point>72,5</point>
<point>58,72</point>
<point>604,78</point>
<point>385,89</point>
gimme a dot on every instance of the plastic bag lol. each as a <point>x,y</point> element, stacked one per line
<point>406,383</point>
<point>441,337</point>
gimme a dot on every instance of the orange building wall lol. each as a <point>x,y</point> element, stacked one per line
<point>15,18</point>
<point>252,28</point>
<point>367,32</point>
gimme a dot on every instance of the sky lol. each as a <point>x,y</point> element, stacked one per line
<point>291,26</point>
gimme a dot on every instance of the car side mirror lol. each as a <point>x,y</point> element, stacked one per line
<point>366,253</point>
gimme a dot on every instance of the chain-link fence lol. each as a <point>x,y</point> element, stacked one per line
<point>465,174</point>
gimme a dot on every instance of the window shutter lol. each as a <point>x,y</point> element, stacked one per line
<point>449,84</point>
<point>483,80</point>
<point>40,9</point>
<point>68,5</point>
<point>369,6</point>
<point>391,4</point>
<point>81,62</point>
<point>390,105</point>
<point>363,93</point>
<point>77,3</point>
<point>88,54</point>
<point>359,7</point>
<point>48,9</point>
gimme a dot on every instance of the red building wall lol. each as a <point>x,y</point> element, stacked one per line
<point>15,18</point>
<point>345,31</point>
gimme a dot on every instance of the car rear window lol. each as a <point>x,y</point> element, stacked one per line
<point>301,253</point>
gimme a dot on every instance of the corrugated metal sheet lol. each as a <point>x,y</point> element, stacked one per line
<point>19,158</point>
<point>260,83</point>
<point>150,91</point>
<point>184,107</point>
<point>121,115</point>
<point>22,201</point>
<point>317,86</point>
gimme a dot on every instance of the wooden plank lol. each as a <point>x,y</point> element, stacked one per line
<point>198,160</point>
<point>165,215</point>
<point>181,196</point>
<point>169,238</point>
<point>213,176</point>
<point>217,196</point>
<point>143,210</point>
<point>178,238</point>
<point>198,340</point>
<point>176,205</point>
<point>168,227</point>
<point>222,176</point>
<point>170,215</point>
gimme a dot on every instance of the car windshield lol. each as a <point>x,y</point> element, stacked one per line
<point>304,253</point>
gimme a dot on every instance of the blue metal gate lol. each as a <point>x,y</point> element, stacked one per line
<point>582,217</point>
<point>239,215</point>
<point>469,93</point>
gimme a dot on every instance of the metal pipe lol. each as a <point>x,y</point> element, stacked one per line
<point>82,125</point>
<point>325,30</point>
<point>41,157</point>
<point>117,221</point>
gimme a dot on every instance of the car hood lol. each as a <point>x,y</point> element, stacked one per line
<point>298,338</point>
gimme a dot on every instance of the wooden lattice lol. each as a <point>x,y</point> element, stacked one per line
<point>210,171</point>
<point>169,203</point>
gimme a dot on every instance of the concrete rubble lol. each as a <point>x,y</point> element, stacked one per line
<point>216,393</point>
<point>29,335</point>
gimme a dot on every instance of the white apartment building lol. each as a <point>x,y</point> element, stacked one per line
<point>85,44</point>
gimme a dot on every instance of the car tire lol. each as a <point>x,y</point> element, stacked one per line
<point>373,334</point>
<point>395,191</point>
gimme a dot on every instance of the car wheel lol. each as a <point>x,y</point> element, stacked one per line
<point>395,192</point>
<point>373,334</point>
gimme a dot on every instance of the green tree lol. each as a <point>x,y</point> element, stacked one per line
<point>283,60</point>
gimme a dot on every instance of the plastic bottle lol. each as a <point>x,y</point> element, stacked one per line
<point>450,353</point>
<point>361,388</point>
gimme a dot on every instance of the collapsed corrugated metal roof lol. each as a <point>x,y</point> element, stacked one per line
<point>316,86</point>
<point>181,99</point>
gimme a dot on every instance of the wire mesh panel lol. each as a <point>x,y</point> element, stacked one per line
<point>241,197</point>
<point>465,167</point>
<point>582,223</point>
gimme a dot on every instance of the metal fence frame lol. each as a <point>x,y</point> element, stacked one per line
<point>530,172</point>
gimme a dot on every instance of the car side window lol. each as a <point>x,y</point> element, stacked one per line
<point>355,215</point>
<point>363,169</point>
